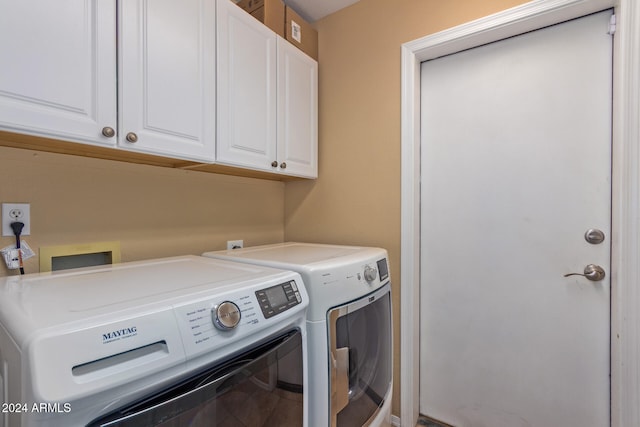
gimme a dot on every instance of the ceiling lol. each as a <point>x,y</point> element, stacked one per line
<point>312,10</point>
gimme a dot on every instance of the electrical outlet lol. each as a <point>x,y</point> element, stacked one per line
<point>12,212</point>
<point>235,244</point>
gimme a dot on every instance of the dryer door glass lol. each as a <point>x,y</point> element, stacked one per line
<point>360,351</point>
<point>243,391</point>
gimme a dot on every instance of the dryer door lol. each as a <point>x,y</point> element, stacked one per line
<point>360,344</point>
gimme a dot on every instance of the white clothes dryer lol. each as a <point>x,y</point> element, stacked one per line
<point>185,341</point>
<point>348,324</point>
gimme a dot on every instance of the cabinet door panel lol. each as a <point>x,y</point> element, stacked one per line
<point>58,76</point>
<point>297,111</point>
<point>246,90</point>
<point>167,77</point>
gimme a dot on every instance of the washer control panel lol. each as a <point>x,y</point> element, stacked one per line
<point>223,319</point>
<point>279,298</point>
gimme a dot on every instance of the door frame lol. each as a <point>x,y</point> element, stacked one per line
<point>625,232</point>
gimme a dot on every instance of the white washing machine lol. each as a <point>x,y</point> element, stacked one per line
<point>186,341</point>
<point>348,324</point>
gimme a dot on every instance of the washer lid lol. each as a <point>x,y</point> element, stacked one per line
<point>47,299</point>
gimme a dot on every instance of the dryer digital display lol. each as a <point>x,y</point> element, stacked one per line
<point>383,269</point>
<point>276,299</point>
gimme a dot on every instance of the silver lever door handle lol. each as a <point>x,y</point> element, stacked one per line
<point>593,272</point>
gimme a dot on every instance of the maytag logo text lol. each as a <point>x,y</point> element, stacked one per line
<point>119,334</point>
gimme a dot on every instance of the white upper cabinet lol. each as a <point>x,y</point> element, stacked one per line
<point>61,78</point>
<point>167,77</point>
<point>246,90</point>
<point>297,111</point>
<point>198,80</point>
<point>267,98</point>
<point>58,72</point>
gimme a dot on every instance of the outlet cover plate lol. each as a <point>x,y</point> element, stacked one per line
<point>234,244</point>
<point>8,216</point>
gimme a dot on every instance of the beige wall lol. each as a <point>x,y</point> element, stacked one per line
<point>356,200</point>
<point>152,211</point>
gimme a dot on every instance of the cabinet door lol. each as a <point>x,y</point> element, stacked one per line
<point>246,90</point>
<point>167,77</point>
<point>58,72</point>
<point>297,111</point>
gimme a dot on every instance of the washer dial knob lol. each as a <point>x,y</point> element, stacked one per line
<point>370,273</point>
<point>225,315</point>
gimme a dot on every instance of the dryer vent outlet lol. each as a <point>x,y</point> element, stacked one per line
<point>235,244</point>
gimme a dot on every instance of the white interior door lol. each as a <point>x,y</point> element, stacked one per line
<point>516,167</point>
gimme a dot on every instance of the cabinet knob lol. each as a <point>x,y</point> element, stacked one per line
<point>274,164</point>
<point>132,137</point>
<point>109,132</point>
<point>283,165</point>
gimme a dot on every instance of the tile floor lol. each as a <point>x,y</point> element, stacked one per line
<point>428,422</point>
